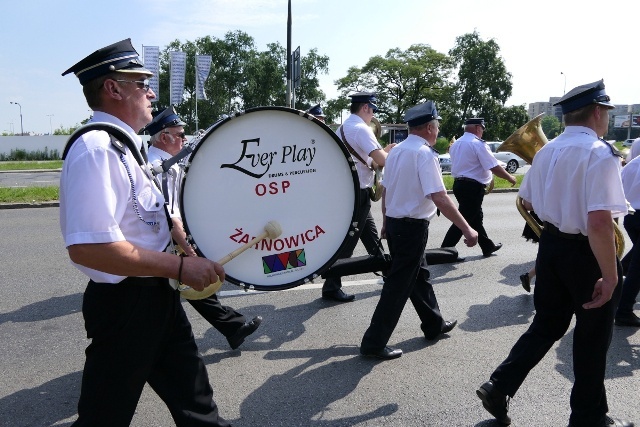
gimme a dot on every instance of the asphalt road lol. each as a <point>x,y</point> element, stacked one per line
<point>302,368</point>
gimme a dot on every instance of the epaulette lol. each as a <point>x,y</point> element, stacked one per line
<point>613,149</point>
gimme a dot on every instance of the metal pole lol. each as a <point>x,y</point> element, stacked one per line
<point>564,91</point>
<point>50,125</point>
<point>21,128</point>
<point>196,93</point>
<point>630,111</point>
<point>289,57</point>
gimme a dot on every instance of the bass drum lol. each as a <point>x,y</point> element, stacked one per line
<point>270,164</point>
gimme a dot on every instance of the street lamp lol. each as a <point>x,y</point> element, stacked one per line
<point>18,104</point>
<point>50,126</point>
<point>565,83</point>
<point>630,111</point>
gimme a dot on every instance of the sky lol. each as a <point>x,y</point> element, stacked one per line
<point>549,46</point>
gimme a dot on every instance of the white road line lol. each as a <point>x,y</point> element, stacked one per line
<point>301,287</point>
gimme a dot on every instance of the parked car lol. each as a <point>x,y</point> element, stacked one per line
<point>628,142</point>
<point>513,162</point>
<point>445,162</point>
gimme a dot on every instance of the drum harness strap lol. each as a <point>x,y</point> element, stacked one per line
<point>382,255</point>
<point>120,139</point>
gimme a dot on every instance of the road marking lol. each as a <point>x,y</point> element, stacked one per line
<point>301,287</point>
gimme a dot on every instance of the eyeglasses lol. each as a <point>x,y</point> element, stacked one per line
<point>373,107</point>
<point>179,134</point>
<point>144,83</point>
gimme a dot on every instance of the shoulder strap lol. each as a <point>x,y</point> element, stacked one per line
<point>351,150</point>
<point>119,139</point>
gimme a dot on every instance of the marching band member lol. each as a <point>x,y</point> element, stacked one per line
<point>574,187</point>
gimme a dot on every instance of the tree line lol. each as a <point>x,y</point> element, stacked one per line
<point>471,80</point>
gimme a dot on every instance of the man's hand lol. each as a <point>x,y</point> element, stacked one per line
<point>198,273</point>
<point>602,292</point>
<point>471,237</point>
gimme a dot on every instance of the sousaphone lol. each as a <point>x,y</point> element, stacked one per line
<point>526,142</point>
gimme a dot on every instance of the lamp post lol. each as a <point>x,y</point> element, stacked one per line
<point>18,104</point>
<point>50,126</point>
<point>630,111</point>
<point>564,91</point>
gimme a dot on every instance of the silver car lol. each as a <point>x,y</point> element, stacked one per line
<point>513,162</point>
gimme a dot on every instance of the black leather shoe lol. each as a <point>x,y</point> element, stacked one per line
<point>616,422</point>
<point>446,328</point>
<point>338,295</point>
<point>245,330</point>
<point>489,252</point>
<point>613,422</point>
<point>629,319</point>
<point>386,353</point>
<point>495,402</point>
<point>526,283</point>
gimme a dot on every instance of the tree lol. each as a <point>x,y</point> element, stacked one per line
<point>482,87</point>
<point>241,77</point>
<point>402,79</point>
<point>551,126</point>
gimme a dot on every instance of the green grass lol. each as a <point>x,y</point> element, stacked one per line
<point>46,194</point>
<point>30,165</point>
<point>497,182</point>
<point>28,194</point>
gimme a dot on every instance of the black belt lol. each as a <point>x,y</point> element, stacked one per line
<point>552,229</point>
<point>464,178</point>
<point>407,219</point>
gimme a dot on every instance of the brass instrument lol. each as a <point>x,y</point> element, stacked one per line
<point>526,142</point>
<point>375,127</point>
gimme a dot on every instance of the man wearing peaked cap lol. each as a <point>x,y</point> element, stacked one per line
<point>581,96</point>
<point>167,139</point>
<point>167,118</point>
<point>119,57</point>
<point>116,228</point>
<point>421,114</point>
<point>574,186</point>
<point>413,191</point>
<point>472,167</point>
<point>316,111</point>
<point>475,121</point>
<point>365,150</point>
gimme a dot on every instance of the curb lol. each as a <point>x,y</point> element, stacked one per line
<point>56,203</point>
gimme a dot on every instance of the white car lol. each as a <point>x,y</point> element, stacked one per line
<point>445,162</point>
<point>513,162</point>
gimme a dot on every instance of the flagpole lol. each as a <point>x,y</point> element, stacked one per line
<point>289,57</point>
<point>195,66</point>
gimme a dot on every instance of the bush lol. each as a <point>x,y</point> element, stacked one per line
<point>22,155</point>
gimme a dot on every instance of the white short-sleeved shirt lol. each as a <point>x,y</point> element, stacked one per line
<point>361,138</point>
<point>634,151</point>
<point>471,158</point>
<point>96,203</point>
<point>174,179</point>
<point>412,174</point>
<point>631,183</point>
<point>574,174</point>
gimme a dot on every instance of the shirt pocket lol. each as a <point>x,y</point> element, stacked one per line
<point>150,200</point>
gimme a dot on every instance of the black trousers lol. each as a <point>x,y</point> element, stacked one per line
<point>407,279</point>
<point>566,272</point>
<point>224,318</point>
<point>140,334</point>
<point>470,195</point>
<point>631,286</point>
<point>367,232</point>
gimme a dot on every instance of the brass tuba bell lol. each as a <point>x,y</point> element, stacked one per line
<point>526,142</point>
<point>376,127</point>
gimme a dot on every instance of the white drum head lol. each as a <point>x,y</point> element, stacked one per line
<point>270,164</point>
